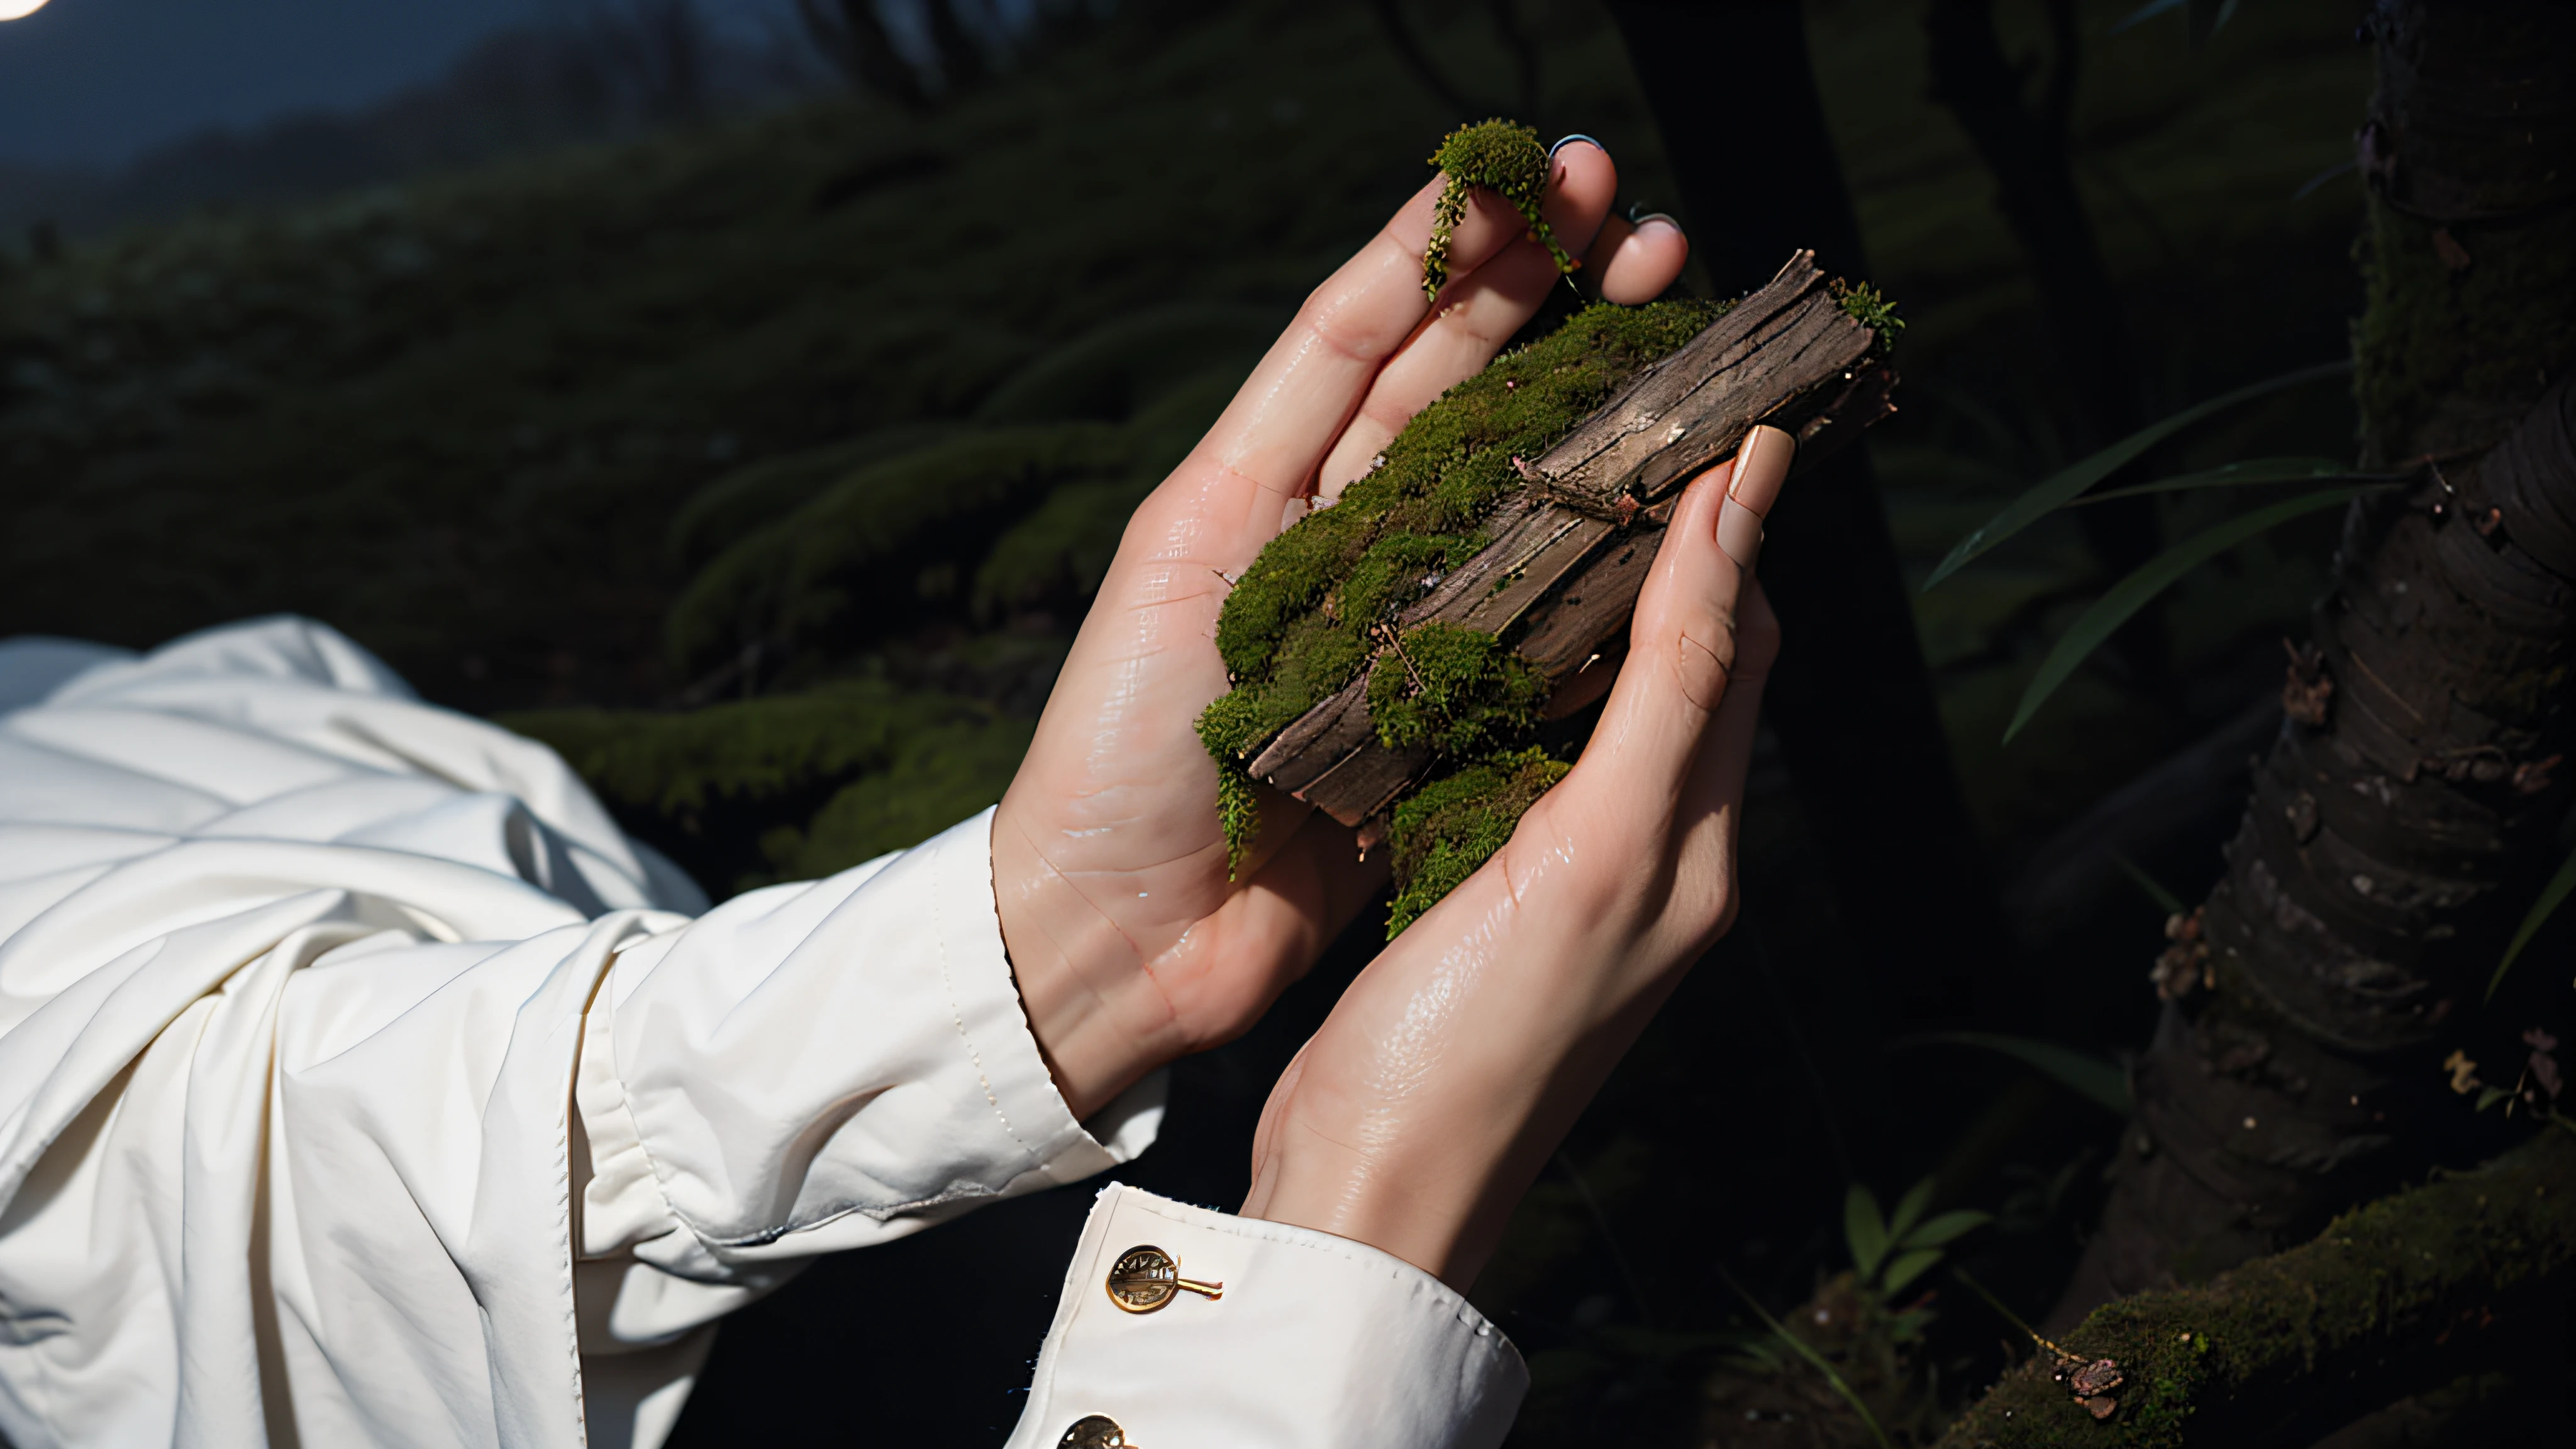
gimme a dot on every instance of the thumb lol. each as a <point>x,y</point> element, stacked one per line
<point>1689,642</point>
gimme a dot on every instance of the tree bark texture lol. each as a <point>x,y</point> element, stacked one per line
<point>1850,699</point>
<point>2403,816</point>
<point>1571,551</point>
<point>2402,1296</point>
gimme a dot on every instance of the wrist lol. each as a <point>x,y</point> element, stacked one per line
<point>1075,990</point>
<point>1433,1097</point>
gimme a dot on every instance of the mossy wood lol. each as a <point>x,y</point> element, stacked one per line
<point>2398,1297</point>
<point>1549,570</point>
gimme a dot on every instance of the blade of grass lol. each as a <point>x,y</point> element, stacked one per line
<point>2096,624</point>
<point>1941,1231</point>
<point>1863,1231</point>
<point>1813,1358</point>
<point>2096,1079</point>
<point>2551,895</point>
<point>1908,1267</point>
<point>2234,475</point>
<point>1909,1208</point>
<point>2146,12</point>
<point>2009,1316</point>
<point>2166,900</point>
<point>2062,486</point>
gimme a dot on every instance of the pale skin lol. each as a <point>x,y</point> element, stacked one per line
<point>1418,1114</point>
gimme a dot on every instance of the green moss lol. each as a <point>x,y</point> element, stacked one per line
<point>1316,609</point>
<point>1456,689</point>
<point>1441,475</point>
<point>1449,827</point>
<point>1870,307</point>
<point>676,764</point>
<point>2208,1365</point>
<point>1228,727</point>
<point>817,781</point>
<point>1505,159</point>
<point>931,781</point>
<point>885,516</point>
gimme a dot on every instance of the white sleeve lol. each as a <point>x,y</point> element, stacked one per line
<point>753,1097</point>
<point>349,1079</point>
<point>817,1067</point>
<point>1316,1342</point>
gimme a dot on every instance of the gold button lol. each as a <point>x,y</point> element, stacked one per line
<point>1095,1431</point>
<point>1146,1278</point>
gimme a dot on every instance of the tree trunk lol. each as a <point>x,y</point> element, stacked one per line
<point>2404,813</point>
<point>1850,699</point>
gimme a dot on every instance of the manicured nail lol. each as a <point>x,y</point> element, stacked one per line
<point>1761,466</point>
<point>1570,140</point>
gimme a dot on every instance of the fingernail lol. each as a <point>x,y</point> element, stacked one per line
<point>1665,217</point>
<point>1566,141</point>
<point>1761,466</point>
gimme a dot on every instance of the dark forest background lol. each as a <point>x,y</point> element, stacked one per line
<point>750,418</point>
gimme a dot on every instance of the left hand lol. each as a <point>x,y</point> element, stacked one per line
<point>1130,944</point>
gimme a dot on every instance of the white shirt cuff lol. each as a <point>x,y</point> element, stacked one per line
<point>1318,1342</point>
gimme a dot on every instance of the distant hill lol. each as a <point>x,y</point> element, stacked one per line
<point>519,91</point>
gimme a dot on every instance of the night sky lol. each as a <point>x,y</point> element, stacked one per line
<point>94,81</point>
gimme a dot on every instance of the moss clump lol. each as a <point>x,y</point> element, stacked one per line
<point>1227,728</point>
<point>1320,588</point>
<point>1449,827</point>
<point>1505,159</point>
<point>1870,307</point>
<point>1453,688</point>
<point>1314,611</point>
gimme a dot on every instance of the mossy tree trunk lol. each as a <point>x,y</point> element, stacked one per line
<point>2403,816</point>
<point>2408,1294</point>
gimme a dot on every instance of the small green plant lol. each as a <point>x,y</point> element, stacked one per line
<point>1870,307</point>
<point>2072,486</point>
<point>1889,1252</point>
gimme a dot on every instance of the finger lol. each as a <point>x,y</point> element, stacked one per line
<point>1686,640</point>
<point>1634,262</point>
<point>1230,496</point>
<point>1728,751</point>
<point>1480,309</point>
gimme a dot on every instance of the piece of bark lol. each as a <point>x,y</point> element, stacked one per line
<point>1571,551</point>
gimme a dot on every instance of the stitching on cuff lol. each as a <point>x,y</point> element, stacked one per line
<point>957,1014</point>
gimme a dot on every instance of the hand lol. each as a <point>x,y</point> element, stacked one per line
<point>1448,1072</point>
<point>1130,945</point>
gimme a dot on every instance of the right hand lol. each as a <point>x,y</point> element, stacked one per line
<point>1448,1072</point>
